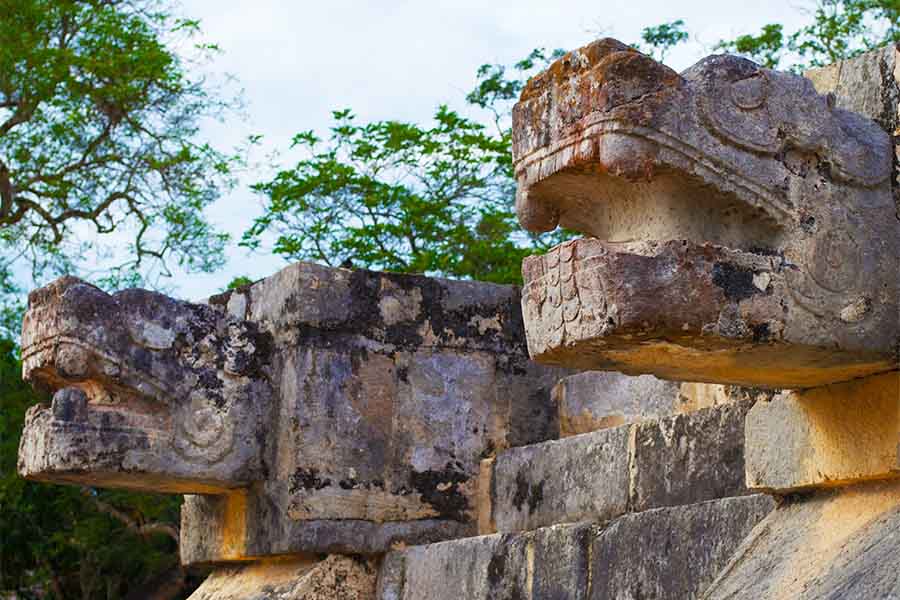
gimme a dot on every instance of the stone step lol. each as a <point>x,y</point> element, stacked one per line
<point>598,476</point>
<point>823,437</point>
<point>595,400</point>
<point>668,553</point>
<point>841,543</point>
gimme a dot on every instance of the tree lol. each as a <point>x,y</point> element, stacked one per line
<point>70,542</point>
<point>661,38</point>
<point>840,29</point>
<point>99,124</point>
<point>398,196</point>
<point>99,143</point>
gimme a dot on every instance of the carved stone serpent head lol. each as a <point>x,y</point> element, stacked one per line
<point>742,228</point>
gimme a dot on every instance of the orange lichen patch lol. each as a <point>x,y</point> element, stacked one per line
<point>483,502</point>
<point>234,526</point>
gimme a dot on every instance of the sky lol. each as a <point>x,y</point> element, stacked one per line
<point>391,59</point>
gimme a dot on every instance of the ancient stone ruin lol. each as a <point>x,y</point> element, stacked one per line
<point>360,435</point>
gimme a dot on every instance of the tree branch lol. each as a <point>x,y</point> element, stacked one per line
<point>142,529</point>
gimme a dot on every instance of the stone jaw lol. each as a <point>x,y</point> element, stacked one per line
<point>751,169</point>
<point>149,393</point>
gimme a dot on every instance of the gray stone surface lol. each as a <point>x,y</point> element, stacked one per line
<point>689,458</point>
<point>837,544</point>
<point>682,459</point>
<point>597,400</point>
<point>150,393</point>
<point>672,553</point>
<point>869,85</point>
<point>351,409</point>
<point>661,554</point>
<point>580,478</point>
<point>743,227</point>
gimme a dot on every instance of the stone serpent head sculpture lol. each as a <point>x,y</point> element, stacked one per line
<point>741,228</point>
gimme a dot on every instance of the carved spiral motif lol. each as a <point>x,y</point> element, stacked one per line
<point>203,433</point>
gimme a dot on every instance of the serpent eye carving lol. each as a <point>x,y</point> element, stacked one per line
<point>734,103</point>
<point>203,433</point>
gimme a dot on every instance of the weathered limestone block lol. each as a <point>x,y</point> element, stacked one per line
<point>320,410</point>
<point>335,577</point>
<point>580,478</point>
<point>672,553</point>
<point>743,226</point>
<point>835,544</point>
<point>548,563</point>
<point>689,458</point>
<point>596,400</point>
<point>662,554</point>
<point>683,459</point>
<point>825,436</point>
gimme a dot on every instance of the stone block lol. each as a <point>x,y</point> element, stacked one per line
<point>678,460</point>
<point>672,553</point>
<point>824,437</point>
<point>663,554</point>
<point>733,238</point>
<point>580,478</point>
<point>596,400</point>
<point>344,577</point>
<point>550,563</point>
<point>689,458</point>
<point>841,543</point>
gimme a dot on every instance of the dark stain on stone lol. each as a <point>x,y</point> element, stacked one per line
<point>761,332</point>
<point>307,479</point>
<point>441,490</point>
<point>521,494</point>
<point>736,282</point>
<point>527,493</point>
<point>496,569</point>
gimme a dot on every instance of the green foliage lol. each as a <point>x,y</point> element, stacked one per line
<point>765,49</point>
<point>239,281</point>
<point>840,29</point>
<point>399,197</point>
<point>99,127</point>
<point>658,40</point>
<point>55,538</point>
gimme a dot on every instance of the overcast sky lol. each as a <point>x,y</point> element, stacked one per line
<point>388,59</point>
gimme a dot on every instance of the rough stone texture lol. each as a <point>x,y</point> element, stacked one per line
<point>597,400</point>
<point>672,553</point>
<point>550,563</point>
<point>869,85</point>
<point>689,458</point>
<point>825,436</point>
<point>598,476</point>
<point>352,408</point>
<point>151,393</point>
<point>837,544</point>
<point>580,478</point>
<point>745,227</point>
<point>335,577</point>
<point>661,554</point>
